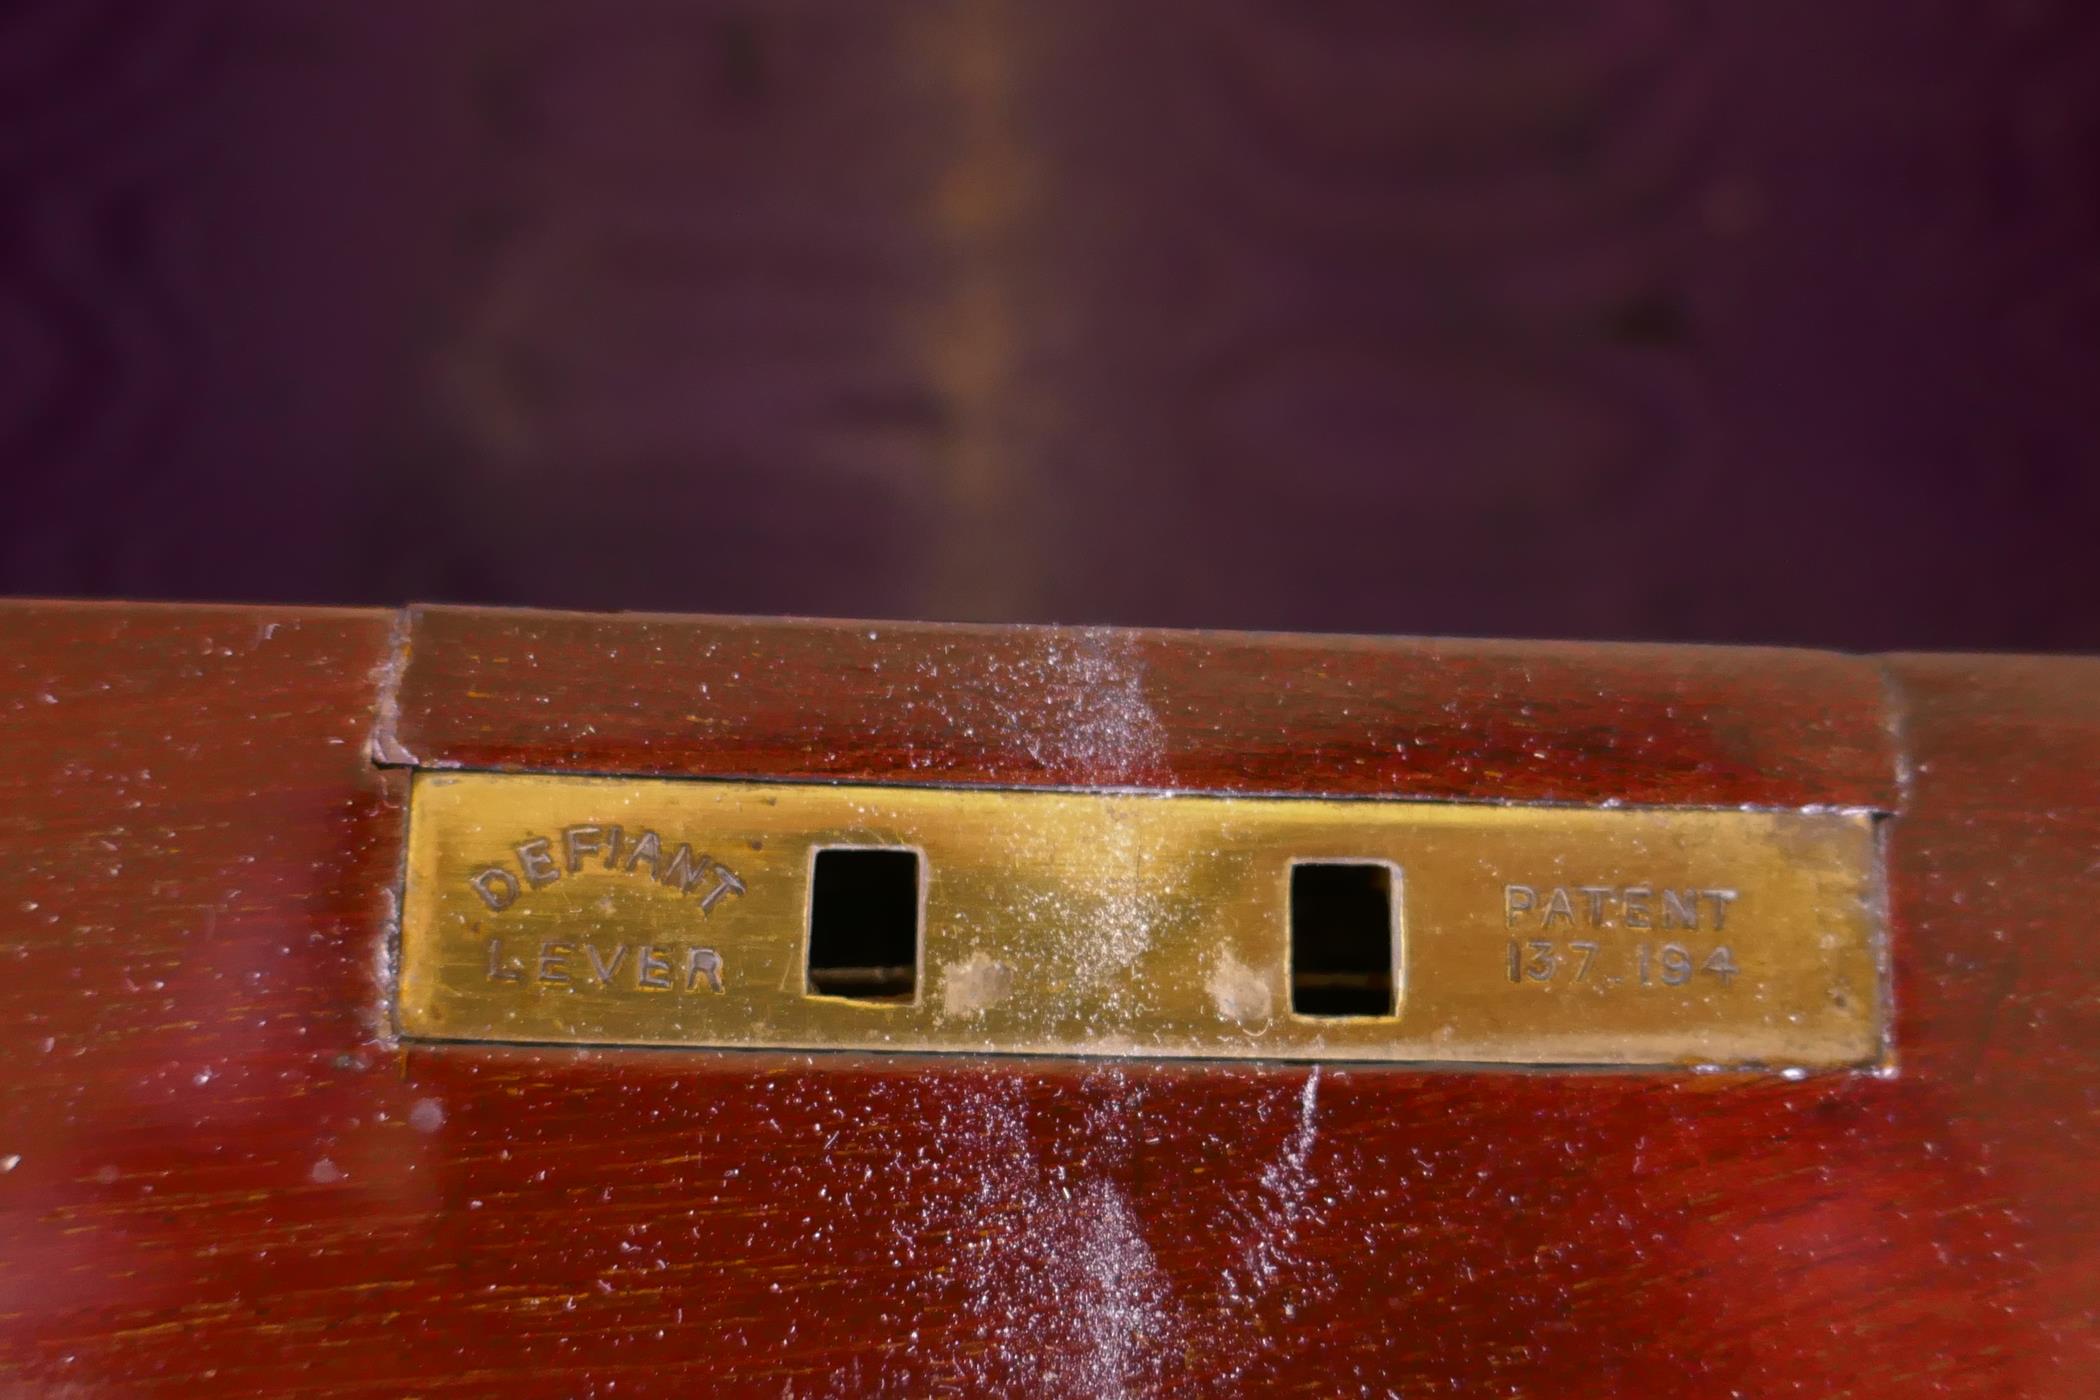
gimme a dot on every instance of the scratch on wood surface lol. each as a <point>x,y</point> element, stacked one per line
<point>387,747</point>
<point>1895,707</point>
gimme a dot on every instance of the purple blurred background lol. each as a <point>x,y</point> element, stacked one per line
<point>1736,322</point>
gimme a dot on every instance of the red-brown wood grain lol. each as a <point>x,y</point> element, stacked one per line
<point>224,1176</point>
<point>1227,712</point>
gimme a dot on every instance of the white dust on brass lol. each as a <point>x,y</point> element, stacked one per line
<point>1074,703</point>
<point>1240,993</point>
<point>1082,940</point>
<point>975,985</point>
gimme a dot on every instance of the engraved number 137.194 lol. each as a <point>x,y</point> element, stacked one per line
<point>1578,960</point>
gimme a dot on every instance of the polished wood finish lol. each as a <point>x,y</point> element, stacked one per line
<point>224,1175</point>
<point>1204,711</point>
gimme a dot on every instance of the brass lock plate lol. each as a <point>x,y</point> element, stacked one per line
<point>602,911</point>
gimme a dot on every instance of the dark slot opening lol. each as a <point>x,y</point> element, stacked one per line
<point>864,924</point>
<point>1342,939</point>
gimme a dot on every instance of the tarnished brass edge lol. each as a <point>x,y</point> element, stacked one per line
<point>420,767</point>
<point>1883,936</point>
<point>875,1057</point>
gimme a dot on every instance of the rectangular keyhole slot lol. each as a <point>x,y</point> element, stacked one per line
<point>1342,934</point>
<point>864,924</point>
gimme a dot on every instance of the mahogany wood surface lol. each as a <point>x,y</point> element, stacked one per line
<point>223,1175</point>
<point>1209,711</point>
